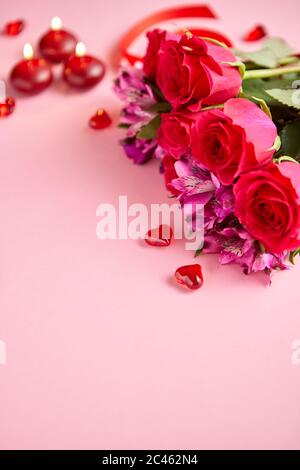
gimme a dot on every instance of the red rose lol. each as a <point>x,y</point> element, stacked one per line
<point>155,39</point>
<point>192,72</point>
<point>267,203</point>
<point>233,141</point>
<point>174,134</point>
<point>170,174</point>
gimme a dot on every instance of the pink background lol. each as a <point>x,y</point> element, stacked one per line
<point>103,350</point>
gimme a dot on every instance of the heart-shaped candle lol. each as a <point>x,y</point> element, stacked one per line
<point>189,276</point>
<point>160,236</point>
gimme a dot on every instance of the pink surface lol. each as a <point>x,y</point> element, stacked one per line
<point>103,351</point>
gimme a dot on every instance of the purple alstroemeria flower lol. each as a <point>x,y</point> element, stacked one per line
<point>224,205</point>
<point>138,96</point>
<point>131,87</point>
<point>235,245</point>
<point>194,183</point>
<point>139,150</point>
<point>268,262</point>
<point>135,117</point>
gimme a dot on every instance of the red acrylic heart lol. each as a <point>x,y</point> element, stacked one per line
<point>160,236</point>
<point>7,107</point>
<point>13,28</point>
<point>100,120</point>
<point>189,276</point>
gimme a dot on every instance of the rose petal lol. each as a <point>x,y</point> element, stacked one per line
<point>259,128</point>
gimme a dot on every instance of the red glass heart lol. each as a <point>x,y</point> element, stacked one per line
<point>160,236</point>
<point>13,28</point>
<point>189,276</point>
<point>100,120</point>
<point>7,108</point>
<point>257,33</point>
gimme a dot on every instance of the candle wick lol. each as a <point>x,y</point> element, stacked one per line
<point>28,51</point>
<point>80,49</point>
<point>56,23</point>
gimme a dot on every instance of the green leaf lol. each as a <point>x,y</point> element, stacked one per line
<point>198,252</point>
<point>123,126</point>
<point>154,88</point>
<point>264,58</point>
<point>279,46</point>
<point>290,137</point>
<point>161,107</point>
<point>256,88</point>
<point>286,97</point>
<point>261,247</point>
<point>270,55</point>
<point>150,130</point>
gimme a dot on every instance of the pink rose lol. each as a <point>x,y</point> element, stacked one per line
<point>192,72</point>
<point>267,203</point>
<point>174,134</point>
<point>155,39</point>
<point>233,141</point>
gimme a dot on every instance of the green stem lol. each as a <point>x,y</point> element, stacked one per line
<point>288,60</point>
<point>267,73</point>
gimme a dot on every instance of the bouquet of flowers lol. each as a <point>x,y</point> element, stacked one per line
<point>225,126</point>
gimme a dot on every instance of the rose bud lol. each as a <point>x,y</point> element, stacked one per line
<point>155,40</point>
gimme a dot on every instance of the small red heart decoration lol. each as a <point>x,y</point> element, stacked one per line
<point>13,28</point>
<point>100,120</point>
<point>189,276</point>
<point>7,107</point>
<point>160,236</point>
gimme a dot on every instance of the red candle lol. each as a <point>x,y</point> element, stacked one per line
<point>57,44</point>
<point>83,71</point>
<point>31,75</point>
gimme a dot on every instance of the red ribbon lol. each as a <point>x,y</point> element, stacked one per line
<point>192,11</point>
